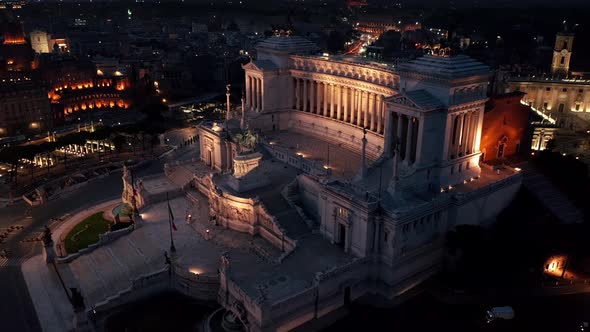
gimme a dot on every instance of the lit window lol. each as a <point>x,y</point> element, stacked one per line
<point>342,213</point>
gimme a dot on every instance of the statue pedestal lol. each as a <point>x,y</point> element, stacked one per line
<point>80,321</point>
<point>247,174</point>
<point>48,253</point>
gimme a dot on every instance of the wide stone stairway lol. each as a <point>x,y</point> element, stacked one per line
<point>551,197</point>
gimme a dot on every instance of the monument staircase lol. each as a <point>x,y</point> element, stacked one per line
<point>551,197</point>
<point>286,215</point>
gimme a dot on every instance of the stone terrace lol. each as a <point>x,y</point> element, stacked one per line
<point>343,162</point>
<point>111,268</point>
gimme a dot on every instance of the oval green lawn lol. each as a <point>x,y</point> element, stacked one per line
<point>86,233</point>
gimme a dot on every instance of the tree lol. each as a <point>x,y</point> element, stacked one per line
<point>12,155</point>
<point>335,41</point>
<point>468,244</point>
<point>118,141</point>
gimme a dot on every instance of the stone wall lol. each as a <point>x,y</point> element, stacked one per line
<point>246,215</point>
<point>103,239</point>
<point>481,206</point>
<point>199,287</point>
<point>336,132</point>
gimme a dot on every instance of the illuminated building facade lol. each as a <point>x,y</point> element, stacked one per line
<point>505,127</point>
<point>78,86</point>
<point>24,107</point>
<point>563,97</point>
<point>415,133</point>
<point>15,52</point>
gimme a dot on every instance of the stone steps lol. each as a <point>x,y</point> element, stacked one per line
<point>551,197</point>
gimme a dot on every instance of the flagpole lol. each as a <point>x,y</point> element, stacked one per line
<point>172,248</point>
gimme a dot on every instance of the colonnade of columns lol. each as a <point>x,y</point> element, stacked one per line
<point>464,128</point>
<point>357,107</point>
<point>405,132</point>
<point>254,100</point>
<point>43,161</point>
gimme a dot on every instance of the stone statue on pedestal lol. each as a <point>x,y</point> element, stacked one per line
<point>47,236</point>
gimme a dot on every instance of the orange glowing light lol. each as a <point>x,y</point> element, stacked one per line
<point>14,41</point>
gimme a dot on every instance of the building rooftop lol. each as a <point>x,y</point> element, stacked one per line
<point>344,163</point>
<point>423,99</point>
<point>288,44</point>
<point>448,67</point>
<point>356,60</point>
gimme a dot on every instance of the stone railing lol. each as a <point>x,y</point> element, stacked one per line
<point>290,193</point>
<point>247,215</point>
<point>251,304</point>
<point>103,239</point>
<point>304,298</point>
<point>510,180</point>
<point>196,286</point>
<point>342,269</point>
<point>312,167</point>
<point>199,287</point>
<point>143,286</point>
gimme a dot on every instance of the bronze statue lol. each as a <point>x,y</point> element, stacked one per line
<point>47,239</point>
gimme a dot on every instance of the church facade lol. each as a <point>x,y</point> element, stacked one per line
<point>412,133</point>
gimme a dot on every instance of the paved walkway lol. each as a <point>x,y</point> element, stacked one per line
<point>53,308</point>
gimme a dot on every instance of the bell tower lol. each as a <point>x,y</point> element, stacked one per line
<point>562,52</point>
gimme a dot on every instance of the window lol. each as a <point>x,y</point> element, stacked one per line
<point>452,170</point>
<point>581,90</point>
<point>460,168</point>
<point>577,106</point>
<point>341,213</point>
<point>565,44</point>
<point>561,108</point>
<point>545,105</point>
<point>564,90</point>
<point>562,61</point>
<point>547,89</point>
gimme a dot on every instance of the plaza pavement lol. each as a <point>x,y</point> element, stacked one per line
<point>343,162</point>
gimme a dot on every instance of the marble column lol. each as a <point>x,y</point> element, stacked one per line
<point>359,108</point>
<point>255,93</point>
<point>366,109</point>
<point>467,134</point>
<point>409,139</point>
<point>312,97</point>
<point>372,110</point>
<point>325,99</point>
<point>332,100</point>
<point>352,106</point>
<point>298,94</point>
<point>448,137</point>
<point>461,138</point>
<point>388,136</point>
<point>338,102</point>
<point>248,87</point>
<point>478,119</point>
<point>380,112</point>
<point>260,101</point>
<point>319,98</point>
<point>305,101</point>
<point>418,155</point>
<point>345,104</point>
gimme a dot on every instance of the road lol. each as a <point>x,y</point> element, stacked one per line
<point>16,309</point>
<point>425,314</point>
